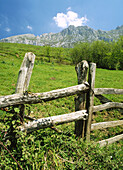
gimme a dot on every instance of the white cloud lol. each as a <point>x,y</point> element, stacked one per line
<point>7,29</point>
<point>29,27</point>
<point>70,18</point>
<point>69,8</point>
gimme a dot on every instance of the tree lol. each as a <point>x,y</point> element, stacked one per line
<point>80,52</point>
<point>117,55</point>
<point>58,54</point>
<point>99,50</point>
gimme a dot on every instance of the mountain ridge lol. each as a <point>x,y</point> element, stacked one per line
<point>67,37</point>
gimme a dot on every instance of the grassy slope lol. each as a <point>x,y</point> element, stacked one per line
<point>57,149</point>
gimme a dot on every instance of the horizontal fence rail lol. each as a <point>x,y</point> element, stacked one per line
<point>15,99</point>
<point>107,106</point>
<point>54,120</point>
<point>34,98</point>
<point>103,125</point>
<point>98,91</point>
<point>110,140</point>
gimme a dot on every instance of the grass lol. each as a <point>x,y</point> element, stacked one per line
<point>45,148</point>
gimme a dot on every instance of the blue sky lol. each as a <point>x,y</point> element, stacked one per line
<point>44,16</point>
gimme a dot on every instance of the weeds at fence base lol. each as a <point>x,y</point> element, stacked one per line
<point>46,149</point>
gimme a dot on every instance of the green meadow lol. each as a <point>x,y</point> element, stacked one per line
<point>46,148</point>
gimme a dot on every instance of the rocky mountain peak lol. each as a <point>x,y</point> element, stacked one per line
<point>67,37</point>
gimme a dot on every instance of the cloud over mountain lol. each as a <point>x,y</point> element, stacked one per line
<point>7,29</point>
<point>70,18</point>
<point>29,27</point>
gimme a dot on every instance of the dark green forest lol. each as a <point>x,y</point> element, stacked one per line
<point>108,55</point>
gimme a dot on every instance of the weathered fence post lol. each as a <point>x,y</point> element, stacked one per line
<point>90,99</point>
<point>81,70</point>
<point>24,77</point>
<point>25,73</point>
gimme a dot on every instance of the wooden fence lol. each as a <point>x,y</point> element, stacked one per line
<point>84,102</point>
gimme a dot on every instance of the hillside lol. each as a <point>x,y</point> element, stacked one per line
<point>67,37</point>
<point>60,149</point>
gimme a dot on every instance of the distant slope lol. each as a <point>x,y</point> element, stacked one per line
<point>67,37</point>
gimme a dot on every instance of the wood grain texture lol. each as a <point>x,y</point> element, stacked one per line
<point>103,125</point>
<point>25,73</point>
<point>24,76</point>
<point>90,99</point>
<point>81,70</point>
<point>110,140</point>
<point>54,120</point>
<point>33,98</point>
<point>98,91</point>
<point>107,106</point>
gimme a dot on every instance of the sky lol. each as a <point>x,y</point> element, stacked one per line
<point>44,16</point>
